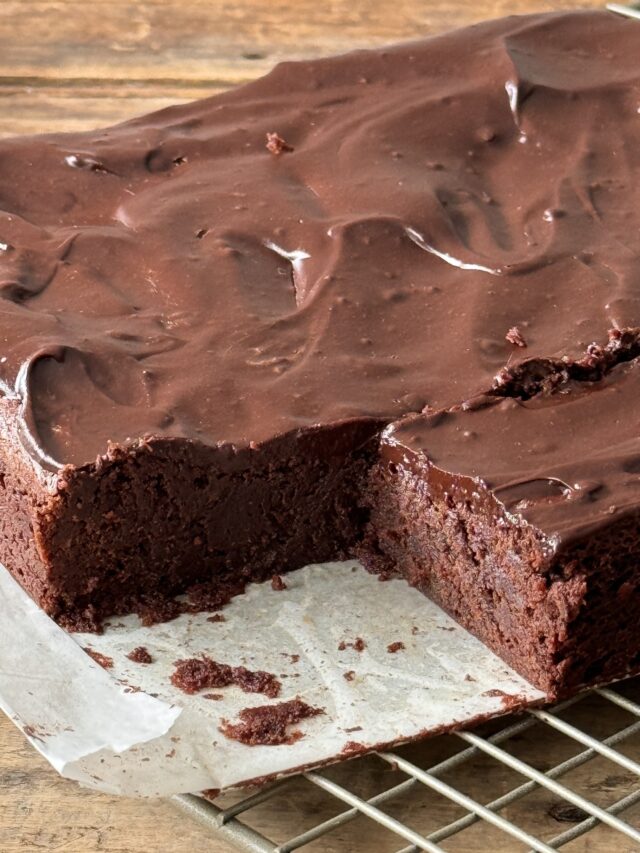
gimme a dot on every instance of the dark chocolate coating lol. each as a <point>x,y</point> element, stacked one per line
<point>181,275</point>
<point>566,463</point>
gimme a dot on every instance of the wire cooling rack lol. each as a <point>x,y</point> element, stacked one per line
<point>563,777</point>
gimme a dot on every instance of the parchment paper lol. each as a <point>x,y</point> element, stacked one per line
<point>127,730</point>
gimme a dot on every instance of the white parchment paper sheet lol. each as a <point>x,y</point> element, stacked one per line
<point>153,740</point>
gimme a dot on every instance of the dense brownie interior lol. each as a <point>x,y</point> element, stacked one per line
<point>209,314</point>
<point>165,517</point>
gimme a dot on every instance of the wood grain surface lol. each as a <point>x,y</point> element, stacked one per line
<point>75,64</point>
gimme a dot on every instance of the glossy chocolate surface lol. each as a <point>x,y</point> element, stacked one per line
<point>568,462</point>
<point>348,237</point>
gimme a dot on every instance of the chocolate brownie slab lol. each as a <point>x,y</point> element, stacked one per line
<point>208,314</point>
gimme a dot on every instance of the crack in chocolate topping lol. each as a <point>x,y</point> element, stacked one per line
<point>171,277</point>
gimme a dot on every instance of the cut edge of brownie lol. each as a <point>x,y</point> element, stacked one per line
<point>491,573</point>
<point>152,521</point>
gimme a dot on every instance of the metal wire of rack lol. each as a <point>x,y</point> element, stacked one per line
<point>511,768</point>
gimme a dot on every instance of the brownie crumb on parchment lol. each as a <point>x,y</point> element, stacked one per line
<point>104,660</point>
<point>194,674</point>
<point>353,747</point>
<point>349,675</point>
<point>217,617</point>
<point>277,583</point>
<point>357,645</point>
<point>140,655</point>
<point>268,725</point>
<point>392,648</point>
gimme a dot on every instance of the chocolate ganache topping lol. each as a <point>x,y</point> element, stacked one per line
<point>567,463</point>
<point>181,275</point>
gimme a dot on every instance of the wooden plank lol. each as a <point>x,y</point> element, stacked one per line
<point>73,65</point>
<point>212,41</point>
<point>40,109</point>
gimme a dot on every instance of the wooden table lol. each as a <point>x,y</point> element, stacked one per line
<point>75,64</point>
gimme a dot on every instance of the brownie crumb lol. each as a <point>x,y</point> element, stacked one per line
<point>509,700</point>
<point>195,674</point>
<point>140,655</point>
<point>267,725</point>
<point>217,617</point>
<point>277,583</point>
<point>349,676</point>
<point>514,336</point>
<point>215,697</point>
<point>35,733</point>
<point>352,747</point>
<point>415,630</point>
<point>276,144</point>
<point>104,661</point>
<point>357,645</point>
<point>392,648</point>
<point>469,677</point>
